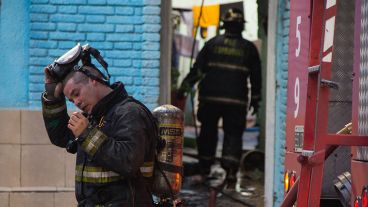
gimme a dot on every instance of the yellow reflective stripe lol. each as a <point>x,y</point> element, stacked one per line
<point>91,168</point>
<point>55,110</point>
<point>95,175</point>
<point>51,110</point>
<point>93,141</point>
<point>170,125</point>
<point>147,169</point>
<point>224,100</point>
<point>147,174</point>
<point>228,66</point>
<point>96,180</point>
<point>223,50</point>
<point>98,174</point>
<point>230,158</point>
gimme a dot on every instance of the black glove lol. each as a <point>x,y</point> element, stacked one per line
<point>50,89</point>
<point>180,94</point>
<point>53,88</point>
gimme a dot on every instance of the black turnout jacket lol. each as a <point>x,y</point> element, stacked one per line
<point>115,153</point>
<point>223,67</point>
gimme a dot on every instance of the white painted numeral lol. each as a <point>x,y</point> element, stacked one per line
<point>296,96</point>
<point>298,35</point>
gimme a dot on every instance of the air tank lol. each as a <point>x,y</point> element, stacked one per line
<point>169,166</point>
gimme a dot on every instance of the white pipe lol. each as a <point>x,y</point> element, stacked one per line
<point>270,102</point>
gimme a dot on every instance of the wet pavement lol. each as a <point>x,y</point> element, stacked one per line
<point>248,191</point>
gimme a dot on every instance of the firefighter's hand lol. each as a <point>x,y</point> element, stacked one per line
<point>77,123</point>
<point>53,88</point>
<point>255,105</point>
<point>181,94</point>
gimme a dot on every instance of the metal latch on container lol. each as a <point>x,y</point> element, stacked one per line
<point>307,153</point>
<point>314,69</point>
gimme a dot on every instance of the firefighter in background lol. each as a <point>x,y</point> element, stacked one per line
<point>222,68</point>
<point>114,135</point>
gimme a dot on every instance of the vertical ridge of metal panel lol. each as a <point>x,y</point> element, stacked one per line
<point>340,100</point>
<point>362,152</point>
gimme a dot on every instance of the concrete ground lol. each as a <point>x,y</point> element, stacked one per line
<point>249,190</point>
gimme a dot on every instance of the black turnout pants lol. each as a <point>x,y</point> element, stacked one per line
<point>234,118</point>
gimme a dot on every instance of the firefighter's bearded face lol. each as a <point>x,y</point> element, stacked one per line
<point>82,91</point>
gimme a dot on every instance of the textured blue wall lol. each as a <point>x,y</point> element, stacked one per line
<point>14,53</point>
<point>125,31</point>
<point>282,45</point>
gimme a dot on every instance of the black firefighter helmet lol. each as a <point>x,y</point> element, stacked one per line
<point>233,20</point>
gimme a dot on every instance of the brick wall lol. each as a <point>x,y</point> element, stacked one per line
<point>282,44</point>
<point>125,31</point>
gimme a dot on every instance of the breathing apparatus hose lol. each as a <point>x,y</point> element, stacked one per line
<point>190,64</point>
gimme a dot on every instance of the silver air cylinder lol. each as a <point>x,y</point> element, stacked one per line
<point>170,158</point>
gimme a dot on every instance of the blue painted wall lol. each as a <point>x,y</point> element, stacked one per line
<point>14,34</point>
<point>125,31</point>
<point>282,45</point>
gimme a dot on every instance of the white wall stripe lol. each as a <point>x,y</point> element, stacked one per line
<point>327,58</point>
<point>330,3</point>
<point>329,33</point>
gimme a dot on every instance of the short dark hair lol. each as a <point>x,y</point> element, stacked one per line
<point>79,77</point>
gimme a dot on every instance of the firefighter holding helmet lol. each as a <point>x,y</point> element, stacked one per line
<point>114,136</point>
<point>222,69</point>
